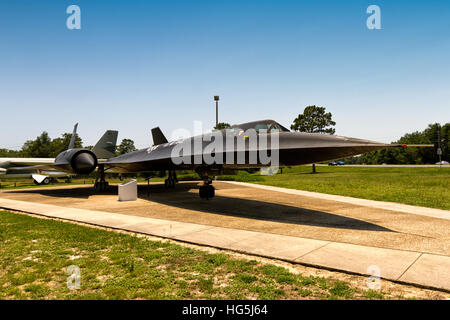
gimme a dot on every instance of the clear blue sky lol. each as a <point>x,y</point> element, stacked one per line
<point>135,65</point>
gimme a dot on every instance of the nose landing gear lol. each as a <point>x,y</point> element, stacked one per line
<point>207,191</point>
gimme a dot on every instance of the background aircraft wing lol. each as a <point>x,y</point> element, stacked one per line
<point>34,167</point>
<point>16,162</point>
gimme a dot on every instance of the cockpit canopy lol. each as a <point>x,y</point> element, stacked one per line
<point>262,125</point>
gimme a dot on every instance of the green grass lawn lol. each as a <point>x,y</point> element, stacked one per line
<point>35,255</point>
<point>428,187</point>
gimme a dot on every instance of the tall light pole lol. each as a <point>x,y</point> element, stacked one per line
<point>216,99</point>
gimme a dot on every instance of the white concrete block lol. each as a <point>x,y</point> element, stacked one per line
<point>128,191</point>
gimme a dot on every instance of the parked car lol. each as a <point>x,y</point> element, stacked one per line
<point>340,163</point>
<point>442,162</point>
<point>334,163</point>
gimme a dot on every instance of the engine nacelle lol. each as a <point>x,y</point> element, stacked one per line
<point>79,161</point>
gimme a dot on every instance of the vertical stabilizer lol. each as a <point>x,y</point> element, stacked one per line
<point>72,139</point>
<point>158,136</point>
<point>105,148</point>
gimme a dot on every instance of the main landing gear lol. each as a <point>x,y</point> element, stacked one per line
<point>171,181</point>
<point>207,190</point>
<point>100,183</point>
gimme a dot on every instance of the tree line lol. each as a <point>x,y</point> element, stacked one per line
<point>314,119</point>
<point>45,147</point>
<point>435,134</point>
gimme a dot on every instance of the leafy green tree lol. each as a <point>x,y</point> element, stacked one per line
<point>433,134</point>
<point>127,145</point>
<point>222,125</point>
<point>44,147</point>
<point>58,145</point>
<point>10,153</point>
<point>38,148</point>
<point>445,145</point>
<point>314,119</point>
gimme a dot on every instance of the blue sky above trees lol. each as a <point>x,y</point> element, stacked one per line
<point>135,65</point>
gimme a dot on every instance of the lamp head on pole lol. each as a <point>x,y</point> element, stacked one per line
<point>216,98</point>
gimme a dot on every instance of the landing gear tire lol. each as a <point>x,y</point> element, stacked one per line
<point>169,183</point>
<point>46,181</point>
<point>211,192</point>
<point>207,192</point>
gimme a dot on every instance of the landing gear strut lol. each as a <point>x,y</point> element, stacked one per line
<point>100,183</point>
<point>171,181</point>
<point>207,191</point>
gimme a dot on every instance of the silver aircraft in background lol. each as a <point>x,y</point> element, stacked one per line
<point>36,168</point>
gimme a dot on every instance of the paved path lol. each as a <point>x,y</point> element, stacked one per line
<point>430,270</point>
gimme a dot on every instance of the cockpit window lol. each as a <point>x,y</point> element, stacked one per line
<point>264,125</point>
<point>236,129</point>
<point>275,128</point>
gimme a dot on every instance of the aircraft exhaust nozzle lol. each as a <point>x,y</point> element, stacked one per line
<point>84,162</point>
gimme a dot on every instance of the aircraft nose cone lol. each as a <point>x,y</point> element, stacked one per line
<point>303,148</point>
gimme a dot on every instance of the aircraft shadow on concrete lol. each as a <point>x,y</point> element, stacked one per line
<point>252,209</point>
<point>228,206</point>
<point>75,192</point>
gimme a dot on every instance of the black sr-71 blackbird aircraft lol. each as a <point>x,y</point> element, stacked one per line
<point>234,144</point>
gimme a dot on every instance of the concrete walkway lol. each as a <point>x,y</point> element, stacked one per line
<point>399,207</point>
<point>418,268</point>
